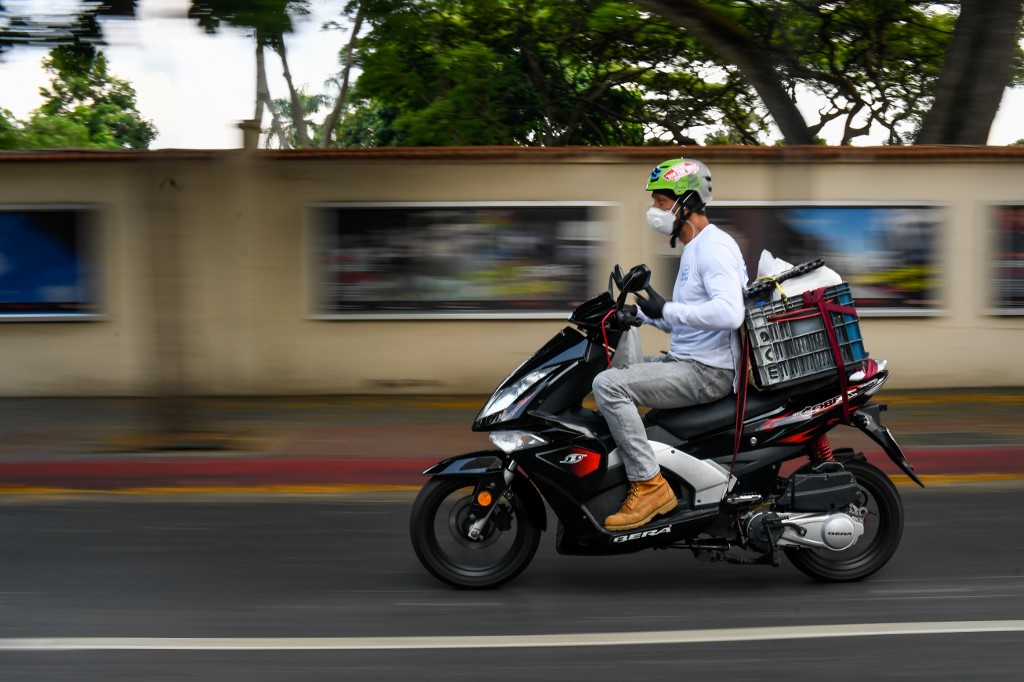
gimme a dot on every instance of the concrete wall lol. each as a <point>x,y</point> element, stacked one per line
<point>205,272</point>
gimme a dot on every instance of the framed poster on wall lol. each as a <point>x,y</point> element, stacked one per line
<point>444,260</point>
<point>888,252</point>
<point>49,268</point>
<point>1007,261</point>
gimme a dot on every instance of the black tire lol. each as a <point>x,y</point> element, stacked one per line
<point>883,529</point>
<point>439,519</point>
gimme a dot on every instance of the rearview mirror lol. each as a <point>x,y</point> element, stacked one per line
<point>615,280</point>
<point>637,279</point>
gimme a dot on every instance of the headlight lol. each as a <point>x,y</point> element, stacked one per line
<point>512,441</point>
<point>508,395</point>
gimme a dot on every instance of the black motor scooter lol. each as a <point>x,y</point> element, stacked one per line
<point>477,522</point>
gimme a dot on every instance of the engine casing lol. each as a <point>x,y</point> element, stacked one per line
<point>822,531</point>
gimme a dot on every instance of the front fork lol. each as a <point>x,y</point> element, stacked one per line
<point>489,489</point>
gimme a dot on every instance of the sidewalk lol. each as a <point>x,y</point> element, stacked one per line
<point>331,443</point>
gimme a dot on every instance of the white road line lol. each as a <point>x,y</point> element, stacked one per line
<point>507,641</point>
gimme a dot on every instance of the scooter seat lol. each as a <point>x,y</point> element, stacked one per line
<point>690,422</point>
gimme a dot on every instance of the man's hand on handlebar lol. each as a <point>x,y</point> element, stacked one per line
<point>627,317</point>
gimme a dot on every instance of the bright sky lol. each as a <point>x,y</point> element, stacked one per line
<point>196,88</point>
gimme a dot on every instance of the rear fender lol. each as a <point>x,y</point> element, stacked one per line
<point>487,467</point>
<point>869,420</point>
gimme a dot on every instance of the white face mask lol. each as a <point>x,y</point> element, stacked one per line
<point>661,220</point>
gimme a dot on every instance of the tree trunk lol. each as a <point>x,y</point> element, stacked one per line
<point>298,116</point>
<point>978,68</point>
<point>346,74</point>
<point>262,89</point>
<point>276,129</point>
<point>735,45</point>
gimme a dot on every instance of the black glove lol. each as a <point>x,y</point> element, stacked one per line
<point>653,304</point>
<point>627,317</point>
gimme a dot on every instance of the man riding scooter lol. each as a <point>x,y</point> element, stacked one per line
<point>702,318</point>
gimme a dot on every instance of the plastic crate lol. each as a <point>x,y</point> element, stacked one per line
<point>796,350</point>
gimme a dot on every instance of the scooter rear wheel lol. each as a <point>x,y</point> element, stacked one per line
<point>883,529</point>
<point>438,528</point>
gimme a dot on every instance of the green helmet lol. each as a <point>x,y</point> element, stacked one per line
<point>688,179</point>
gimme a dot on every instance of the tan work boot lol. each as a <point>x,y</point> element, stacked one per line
<point>646,499</point>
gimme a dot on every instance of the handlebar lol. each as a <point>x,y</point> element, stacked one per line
<point>637,279</point>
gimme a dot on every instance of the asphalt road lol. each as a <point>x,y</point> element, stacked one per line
<point>328,589</point>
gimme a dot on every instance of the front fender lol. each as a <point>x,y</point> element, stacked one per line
<point>485,464</point>
<point>470,464</point>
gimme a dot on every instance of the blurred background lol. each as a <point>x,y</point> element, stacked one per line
<point>439,270</point>
<point>309,197</point>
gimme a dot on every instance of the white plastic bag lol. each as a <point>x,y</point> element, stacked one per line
<point>768,265</point>
<point>629,350</point>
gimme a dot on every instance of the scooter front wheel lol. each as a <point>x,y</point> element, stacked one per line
<point>439,530</point>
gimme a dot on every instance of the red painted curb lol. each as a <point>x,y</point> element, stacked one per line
<point>242,472</point>
<point>957,461</point>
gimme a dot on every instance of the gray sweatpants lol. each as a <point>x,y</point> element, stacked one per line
<point>662,383</point>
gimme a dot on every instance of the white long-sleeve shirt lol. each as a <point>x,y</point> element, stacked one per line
<point>707,301</point>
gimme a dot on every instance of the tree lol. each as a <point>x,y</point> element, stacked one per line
<point>269,21</point>
<point>600,72</point>
<point>884,62</point>
<point>727,38</point>
<point>285,134</point>
<point>83,91</point>
<point>982,58</point>
<point>356,11</point>
<point>84,107</point>
<point>539,72</point>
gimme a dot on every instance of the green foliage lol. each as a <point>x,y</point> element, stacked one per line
<point>534,72</point>
<point>604,72</point>
<point>85,107</point>
<point>42,132</point>
<point>56,132</point>
<point>369,125</point>
<point>309,106</point>
<point>84,92</point>
<point>10,131</point>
